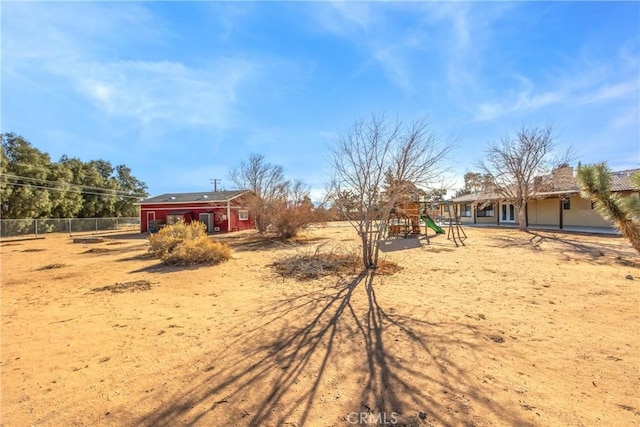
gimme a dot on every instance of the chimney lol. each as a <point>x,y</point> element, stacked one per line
<point>563,177</point>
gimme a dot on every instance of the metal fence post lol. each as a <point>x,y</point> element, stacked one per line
<point>35,226</point>
<point>96,226</point>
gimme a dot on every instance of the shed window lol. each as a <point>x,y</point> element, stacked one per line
<point>243,215</point>
<point>174,219</point>
<point>566,204</point>
<point>486,211</point>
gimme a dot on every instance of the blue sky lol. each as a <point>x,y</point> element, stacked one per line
<point>182,92</point>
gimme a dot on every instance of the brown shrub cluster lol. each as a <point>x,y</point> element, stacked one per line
<point>186,244</point>
<point>315,265</point>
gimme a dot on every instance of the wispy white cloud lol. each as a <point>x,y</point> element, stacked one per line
<point>464,33</point>
<point>68,43</point>
<point>612,91</point>
<point>582,81</point>
<point>74,30</point>
<point>366,25</point>
<point>161,93</point>
<point>626,119</point>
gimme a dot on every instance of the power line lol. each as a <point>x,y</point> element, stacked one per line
<point>26,178</point>
<point>80,186</point>
<point>74,190</point>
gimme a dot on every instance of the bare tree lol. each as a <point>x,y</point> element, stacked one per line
<point>293,211</point>
<point>513,165</point>
<point>595,183</point>
<point>267,183</point>
<point>372,152</point>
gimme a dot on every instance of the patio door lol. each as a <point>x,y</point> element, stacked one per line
<point>507,212</point>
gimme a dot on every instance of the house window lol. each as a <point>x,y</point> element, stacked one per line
<point>174,219</point>
<point>243,215</point>
<point>566,204</point>
<point>487,211</point>
<point>466,210</point>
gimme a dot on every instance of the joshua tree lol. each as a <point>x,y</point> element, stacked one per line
<point>595,183</point>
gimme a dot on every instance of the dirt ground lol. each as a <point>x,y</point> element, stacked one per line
<point>514,328</point>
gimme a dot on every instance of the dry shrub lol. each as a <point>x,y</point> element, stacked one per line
<point>309,266</point>
<point>289,218</point>
<point>118,288</point>
<point>52,266</point>
<point>387,268</point>
<point>185,244</point>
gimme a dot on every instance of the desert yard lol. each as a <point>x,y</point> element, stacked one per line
<point>514,328</point>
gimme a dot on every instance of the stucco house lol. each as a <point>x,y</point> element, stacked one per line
<point>220,211</point>
<point>557,204</point>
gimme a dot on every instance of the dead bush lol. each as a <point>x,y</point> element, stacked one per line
<point>309,266</point>
<point>185,244</point>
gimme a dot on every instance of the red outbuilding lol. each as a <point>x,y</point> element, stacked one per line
<point>220,211</point>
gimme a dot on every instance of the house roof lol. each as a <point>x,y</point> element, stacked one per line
<point>214,196</point>
<point>620,181</point>
<point>483,195</point>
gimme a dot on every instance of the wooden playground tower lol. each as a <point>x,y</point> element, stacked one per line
<point>407,213</point>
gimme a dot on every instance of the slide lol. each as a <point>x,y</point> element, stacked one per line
<point>431,224</point>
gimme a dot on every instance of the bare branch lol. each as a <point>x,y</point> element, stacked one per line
<point>369,152</point>
<point>514,164</point>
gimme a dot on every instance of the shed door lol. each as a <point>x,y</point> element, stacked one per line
<point>206,218</point>
<point>151,216</point>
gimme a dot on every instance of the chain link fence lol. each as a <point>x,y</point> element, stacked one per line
<point>37,227</point>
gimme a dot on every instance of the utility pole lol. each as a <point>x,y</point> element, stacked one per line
<point>215,182</point>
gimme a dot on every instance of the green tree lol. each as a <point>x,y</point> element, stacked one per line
<point>475,182</point>
<point>25,170</point>
<point>595,183</point>
<point>130,190</point>
<point>99,190</point>
<point>66,199</point>
<point>31,186</point>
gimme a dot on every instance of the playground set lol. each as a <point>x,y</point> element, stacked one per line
<point>408,213</point>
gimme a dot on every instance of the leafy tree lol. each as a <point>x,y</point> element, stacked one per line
<point>595,183</point>
<point>436,194</point>
<point>24,198</point>
<point>374,163</point>
<point>76,181</point>
<point>31,186</point>
<point>95,201</point>
<point>66,199</point>
<point>129,187</point>
<point>475,182</point>
<point>513,164</point>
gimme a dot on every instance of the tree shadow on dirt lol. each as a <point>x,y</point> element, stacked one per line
<point>295,352</point>
<point>567,246</point>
